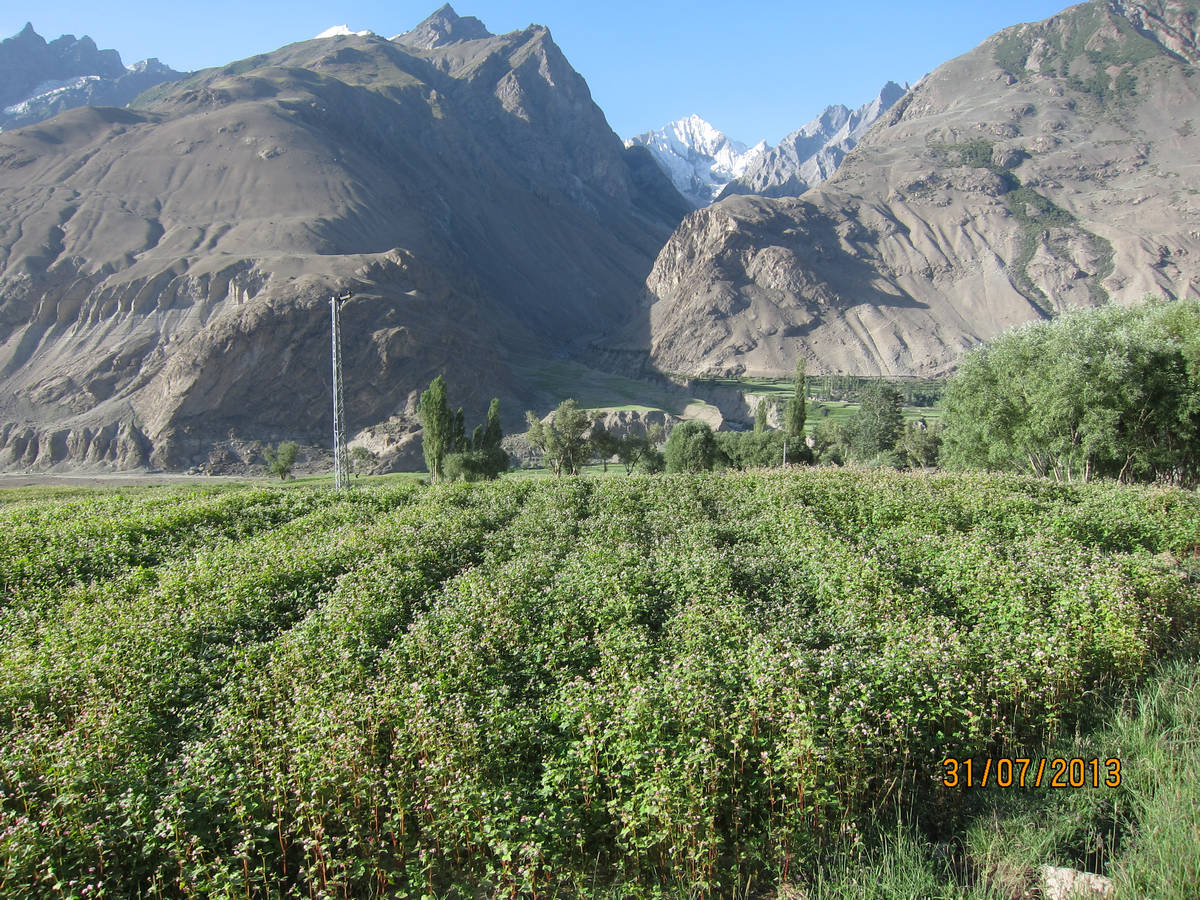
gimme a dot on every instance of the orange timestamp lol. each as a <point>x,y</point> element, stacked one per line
<point>1019,772</point>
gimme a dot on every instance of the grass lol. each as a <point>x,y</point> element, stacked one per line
<point>326,479</point>
<point>593,389</point>
<point>1143,834</point>
<point>42,492</point>
<point>842,411</point>
<point>628,407</point>
<point>594,470</point>
<point>765,386</point>
<point>34,492</point>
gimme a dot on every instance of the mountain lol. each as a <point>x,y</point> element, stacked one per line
<point>698,158</point>
<point>811,154</point>
<point>1053,166</point>
<point>443,28</point>
<point>164,279</point>
<point>40,79</point>
<point>705,165</point>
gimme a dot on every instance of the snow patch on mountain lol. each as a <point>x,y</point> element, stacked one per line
<point>340,31</point>
<point>699,159</point>
<point>47,92</point>
<point>40,78</point>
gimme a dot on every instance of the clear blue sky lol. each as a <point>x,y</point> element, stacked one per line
<point>756,69</point>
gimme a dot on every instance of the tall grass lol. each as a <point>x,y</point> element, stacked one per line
<point>1144,835</point>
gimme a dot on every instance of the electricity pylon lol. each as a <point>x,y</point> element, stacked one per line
<point>341,468</point>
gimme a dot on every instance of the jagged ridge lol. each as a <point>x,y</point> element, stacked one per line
<point>39,79</point>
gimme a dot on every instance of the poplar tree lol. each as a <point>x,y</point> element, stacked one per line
<point>492,435</point>
<point>436,425</point>
<point>760,415</point>
<point>797,408</point>
<point>458,434</point>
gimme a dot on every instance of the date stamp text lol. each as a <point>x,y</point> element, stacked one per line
<point>1020,772</point>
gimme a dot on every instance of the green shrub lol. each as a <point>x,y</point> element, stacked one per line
<point>281,459</point>
<point>691,447</point>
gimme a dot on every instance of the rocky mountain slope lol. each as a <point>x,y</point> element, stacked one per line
<point>811,154</point>
<point>39,79</point>
<point>1055,165</point>
<point>444,27</point>
<point>699,159</point>
<point>165,270</point>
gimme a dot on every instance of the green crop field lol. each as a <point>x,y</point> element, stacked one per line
<point>627,687</point>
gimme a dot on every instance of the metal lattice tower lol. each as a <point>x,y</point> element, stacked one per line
<point>341,467</point>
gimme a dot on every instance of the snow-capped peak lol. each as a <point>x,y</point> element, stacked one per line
<point>811,154</point>
<point>699,158</point>
<point>340,30</point>
<point>150,64</point>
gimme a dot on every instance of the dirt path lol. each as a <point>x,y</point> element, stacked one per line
<point>25,479</point>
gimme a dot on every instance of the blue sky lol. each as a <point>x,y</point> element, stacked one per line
<point>756,69</point>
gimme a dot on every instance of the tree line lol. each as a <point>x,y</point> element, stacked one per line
<point>1110,392</point>
<point>571,437</point>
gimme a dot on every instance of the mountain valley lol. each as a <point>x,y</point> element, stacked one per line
<point>165,267</point>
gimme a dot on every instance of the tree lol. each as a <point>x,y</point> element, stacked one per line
<point>797,407</point>
<point>444,435</point>
<point>466,466</point>
<point>691,447</point>
<point>436,426</point>
<point>760,415</point>
<point>561,439</point>
<point>1111,391</point>
<point>604,443</point>
<point>362,459</point>
<point>652,461</point>
<point>493,458</point>
<point>875,428</point>
<point>281,459</point>
<point>492,434</point>
<point>458,434</point>
<point>482,457</point>
<point>629,450</point>
<point>830,443</point>
<point>641,450</point>
<point>752,449</point>
<point>919,444</point>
